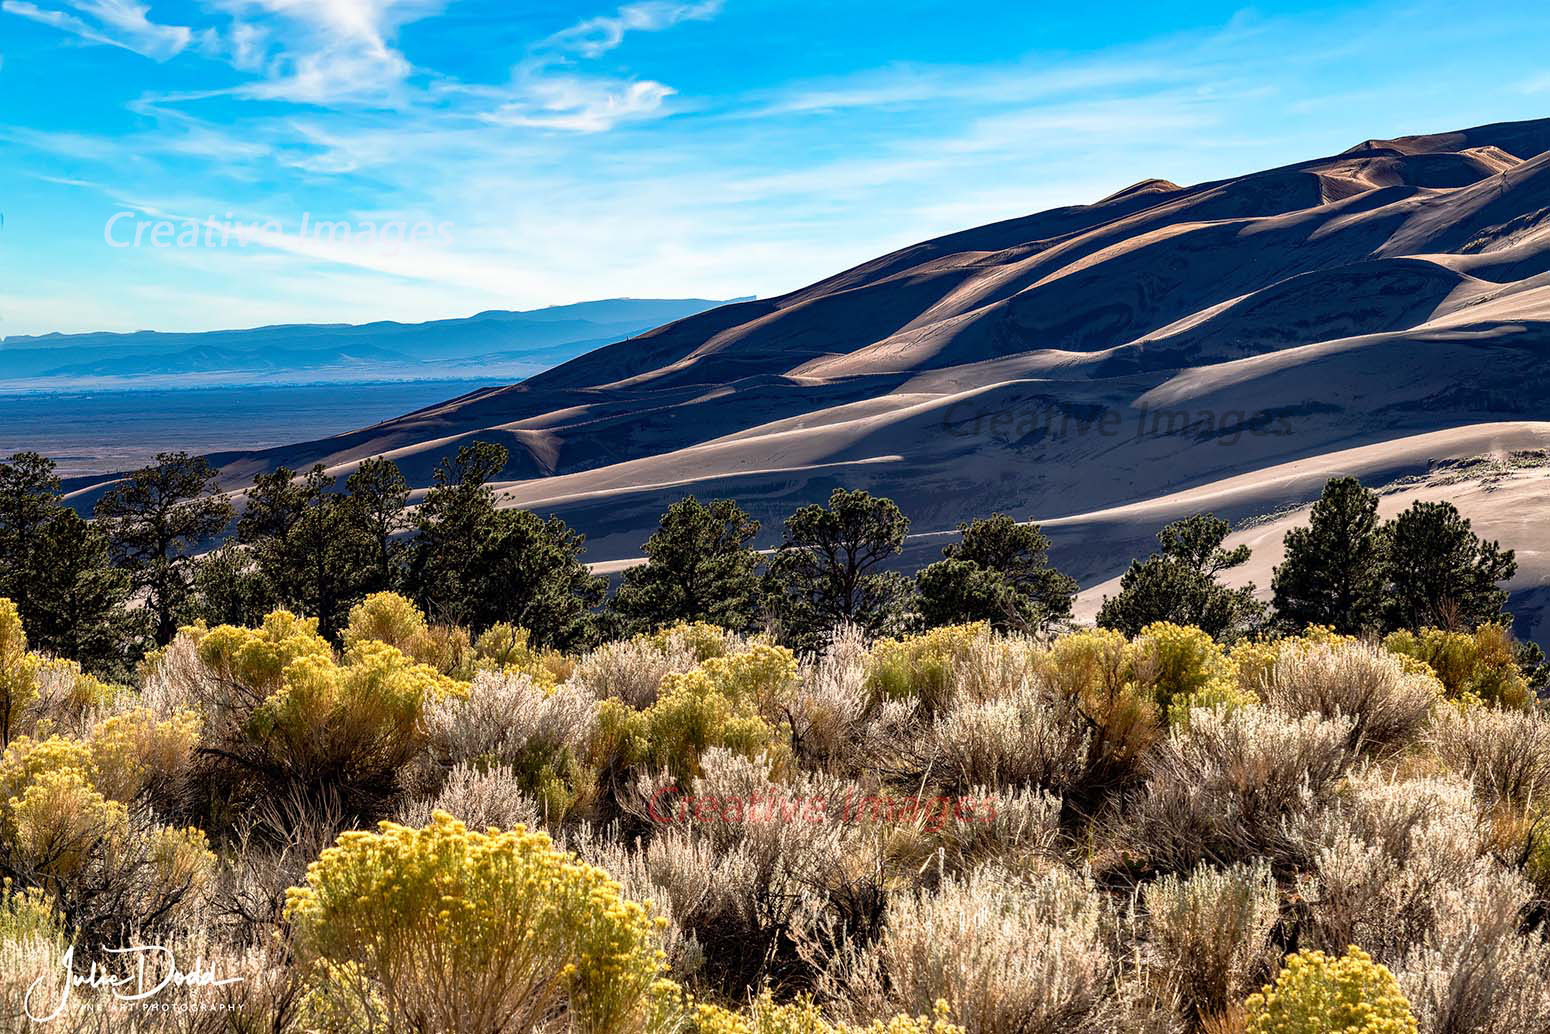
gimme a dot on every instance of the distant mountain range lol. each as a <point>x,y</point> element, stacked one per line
<point>1104,369</point>
<point>500,345</point>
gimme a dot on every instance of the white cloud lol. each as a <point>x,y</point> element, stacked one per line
<point>116,23</point>
<point>579,104</point>
<point>543,96</point>
<point>323,52</point>
<point>597,36</point>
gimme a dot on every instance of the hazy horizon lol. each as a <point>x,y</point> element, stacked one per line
<point>508,159</point>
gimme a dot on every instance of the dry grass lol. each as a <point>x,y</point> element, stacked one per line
<point>969,943</point>
<point>1388,706</point>
<point>1233,786</point>
<point>1505,754</point>
<point>1207,937</point>
<point>1113,872</point>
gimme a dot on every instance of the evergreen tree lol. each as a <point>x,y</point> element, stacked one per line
<point>826,570</point>
<point>80,610</point>
<point>1334,569</point>
<point>699,567</point>
<point>56,568</point>
<point>155,519</point>
<point>476,565</point>
<point>530,574</point>
<point>229,589</point>
<point>308,544</point>
<point>999,573</point>
<point>1179,584</point>
<point>378,495</point>
<point>29,499</point>
<point>453,527</point>
<point>1440,573</point>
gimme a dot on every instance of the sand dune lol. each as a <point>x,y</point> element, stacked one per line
<point>1103,368</point>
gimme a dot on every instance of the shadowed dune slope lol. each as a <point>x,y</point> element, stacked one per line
<point>1379,311</point>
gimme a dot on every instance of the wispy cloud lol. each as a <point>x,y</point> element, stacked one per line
<point>323,52</point>
<point>596,36</point>
<point>582,104</point>
<point>549,91</point>
<point>575,164</point>
<point>116,23</point>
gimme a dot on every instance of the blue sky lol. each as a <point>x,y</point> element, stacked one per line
<point>713,148</point>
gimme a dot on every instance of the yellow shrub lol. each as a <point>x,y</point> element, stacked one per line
<point>63,805</point>
<point>1480,667</point>
<point>1253,660</point>
<point>1092,662</point>
<point>359,716</point>
<point>762,675</point>
<point>18,671</point>
<point>123,753</point>
<point>26,759</point>
<point>507,648</point>
<point>27,913</point>
<point>920,667</point>
<point>258,657</point>
<point>132,748</point>
<point>1217,695</point>
<point>1094,668</point>
<point>765,1016</point>
<point>1317,994</point>
<point>476,933</point>
<point>700,638</point>
<point>182,857</point>
<point>388,618</point>
<point>1178,662</point>
<point>59,821</point>
<point>87,692</point>
<point>724,702</point>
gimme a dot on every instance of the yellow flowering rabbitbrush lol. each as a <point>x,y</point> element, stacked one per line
<point>921,667</point>
<point>729,702</point>
<point>764,1016</point>
<point>1317,994</point>
<point>451,930</point>
<point>1184,668</point>
<point>18,672</point>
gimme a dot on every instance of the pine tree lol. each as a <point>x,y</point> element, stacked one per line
<point>378,495</point>
<point>999,573</point>
<point>476,565</point>
<point>308,544</point>
<point>1440,573</point>
<point>529,573</point>
<point>1334,569</point>
<point>81,609</point>
<point>1179,584</point>
<point>826,570</point>
<point>229,589</point>
<point>453,526</point>
<point>56,567</point>
<point>155,519</point>
<point>29,491</point>
<point>699,567</point>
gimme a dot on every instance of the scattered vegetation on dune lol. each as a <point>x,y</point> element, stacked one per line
<point>365,769</point>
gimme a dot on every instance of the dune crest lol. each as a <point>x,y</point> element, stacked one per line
<point>1391,303</point>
